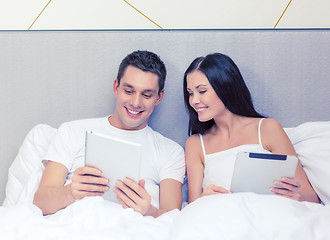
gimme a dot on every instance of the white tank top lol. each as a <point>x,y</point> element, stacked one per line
<point>219,166</point>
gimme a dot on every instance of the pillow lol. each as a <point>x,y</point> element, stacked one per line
<point>311,141</point>
<point>27,167</point>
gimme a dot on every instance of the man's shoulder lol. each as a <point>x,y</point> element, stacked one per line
<point>162,140</point>
<point>83,123</point>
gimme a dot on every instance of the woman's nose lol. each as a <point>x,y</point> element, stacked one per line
<point>194,99</point>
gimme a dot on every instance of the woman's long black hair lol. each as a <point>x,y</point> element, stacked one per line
<point>227,81</point>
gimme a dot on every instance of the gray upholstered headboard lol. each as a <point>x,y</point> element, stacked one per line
<point>56,76</point>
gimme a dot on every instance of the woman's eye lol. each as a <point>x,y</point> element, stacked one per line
<point>202,92</point>
<point>190,93</point>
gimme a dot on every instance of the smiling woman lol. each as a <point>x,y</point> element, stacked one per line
<point>224,122</point>
<point>202,97</point>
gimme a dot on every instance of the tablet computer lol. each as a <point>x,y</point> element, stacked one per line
<point>116,158</point>
<point>256,172</point>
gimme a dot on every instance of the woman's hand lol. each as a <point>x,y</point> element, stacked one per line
<point>287,187</point>
<point>133,195</point>
<point>213,189</point>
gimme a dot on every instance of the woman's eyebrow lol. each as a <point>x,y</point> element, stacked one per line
<point>201,85</point>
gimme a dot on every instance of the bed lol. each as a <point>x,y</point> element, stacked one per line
<point>49,77</point>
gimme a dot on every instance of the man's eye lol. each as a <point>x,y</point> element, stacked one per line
<point>147,95</point>
<point>128,92</point>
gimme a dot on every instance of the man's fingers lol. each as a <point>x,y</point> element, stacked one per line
<point>137,188</point>
<point>128,191</point>
<point>90,187</point>
<point>88,170</point>
<point>90,179</point>
<point>123,198</point>
<point>142,183</point>
<point>82,190</point>
<point>82,194</point>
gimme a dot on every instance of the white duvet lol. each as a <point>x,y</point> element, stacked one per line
<point>222,216</point>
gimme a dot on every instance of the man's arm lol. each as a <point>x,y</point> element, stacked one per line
<point>170,195</point>
<point>52,195</point>
<point>133,195</point>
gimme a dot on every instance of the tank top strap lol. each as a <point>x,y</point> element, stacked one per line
<point>259,132</point>
<point>202,143</point>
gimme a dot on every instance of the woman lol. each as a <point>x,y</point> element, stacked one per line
<point>223,122</point>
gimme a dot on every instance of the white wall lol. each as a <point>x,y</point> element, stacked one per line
<point>56,76</point>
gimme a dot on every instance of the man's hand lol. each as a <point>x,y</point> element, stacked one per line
<point>213,189</point>
<point>133,195</point>
<point>287,187</point>
<point>87,181</point>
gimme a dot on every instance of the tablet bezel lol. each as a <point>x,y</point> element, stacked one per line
<point>256,172</point>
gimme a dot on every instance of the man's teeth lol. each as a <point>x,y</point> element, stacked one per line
<point>133,112</point>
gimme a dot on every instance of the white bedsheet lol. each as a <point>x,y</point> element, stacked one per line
<point>251,216</point>
<point>223,216</point>
<point>90,218</point>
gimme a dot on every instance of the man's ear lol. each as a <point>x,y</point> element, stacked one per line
<point>160,97</point>
<point>115,87</point>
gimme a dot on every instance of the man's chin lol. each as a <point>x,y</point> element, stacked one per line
<point>133,125</point>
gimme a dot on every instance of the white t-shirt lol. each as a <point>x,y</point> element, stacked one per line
<point>162,158</point>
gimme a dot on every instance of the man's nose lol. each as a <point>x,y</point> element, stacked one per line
<point>136,101</point>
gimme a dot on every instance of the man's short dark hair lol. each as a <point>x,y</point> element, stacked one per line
<point>145,61</point>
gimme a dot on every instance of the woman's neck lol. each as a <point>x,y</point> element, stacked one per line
<point>227,124</point>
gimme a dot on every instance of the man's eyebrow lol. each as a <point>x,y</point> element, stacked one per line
<point>127,85</point>
<point>145,90</point>
<point>150,90</point>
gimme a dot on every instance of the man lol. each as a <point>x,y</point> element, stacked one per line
<point>138,88</point>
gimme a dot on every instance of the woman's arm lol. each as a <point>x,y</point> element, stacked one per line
<point>275,140</point>
<point>195,167</point>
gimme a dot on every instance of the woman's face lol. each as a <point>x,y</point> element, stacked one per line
<point>202,97</point>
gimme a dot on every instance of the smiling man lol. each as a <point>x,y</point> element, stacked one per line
<point>138,88</point>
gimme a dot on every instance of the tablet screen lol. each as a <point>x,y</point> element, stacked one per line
<point>116,158</point>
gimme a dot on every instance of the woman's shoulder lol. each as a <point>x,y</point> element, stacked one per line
<point>275,138</point>
<point>270,125</point>
<point>193,140</point>
<point>193,149</point>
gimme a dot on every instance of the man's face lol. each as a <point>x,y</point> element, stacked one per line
<point>137,95</point>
